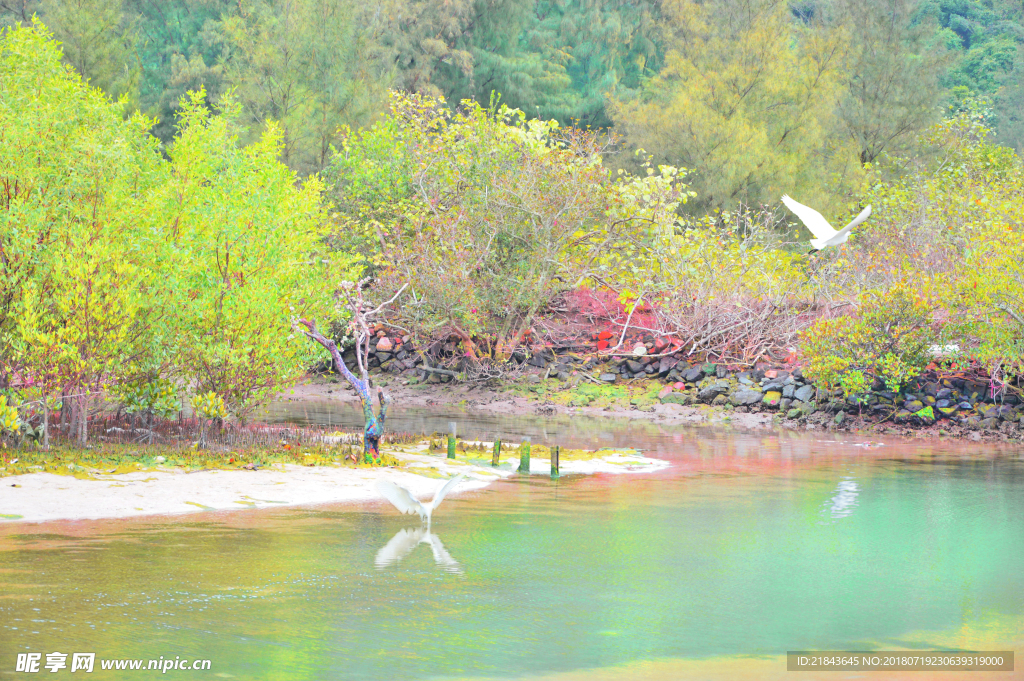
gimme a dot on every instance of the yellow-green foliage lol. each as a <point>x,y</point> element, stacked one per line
<point>887,338</point>
<point>9,420</point>
<point>955,223</point>
<point>738,257</point>
<point>210,405</point>
<point>746,98</point>
<point>115,459</point>
<point>494,214</point>
<point>120,263</point>
<point>156,396</point>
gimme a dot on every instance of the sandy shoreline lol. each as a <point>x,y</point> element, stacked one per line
<point>41,497</point>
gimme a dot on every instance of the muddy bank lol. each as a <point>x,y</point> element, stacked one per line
<point>656,402</point>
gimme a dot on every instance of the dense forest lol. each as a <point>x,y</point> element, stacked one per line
<point>757,96</point>
<point>182,182</point>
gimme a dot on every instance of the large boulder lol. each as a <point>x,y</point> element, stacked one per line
<point>634,366</point>
<point>745,397</point>
<point>709,393</point>
<point>541,358</point>
<point>913,406</point>
<point>804,393</point>
<point>693,374</point>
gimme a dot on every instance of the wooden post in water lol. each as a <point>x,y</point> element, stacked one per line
<point>524,457</point>
<point>554,461</point>
<point>495,460</point>
<point>451,440</point>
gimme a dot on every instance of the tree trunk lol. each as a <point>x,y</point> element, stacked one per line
<point>373,423</point>
<point>83,422</point>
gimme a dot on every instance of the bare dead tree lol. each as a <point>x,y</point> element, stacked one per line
<point>361,325</point>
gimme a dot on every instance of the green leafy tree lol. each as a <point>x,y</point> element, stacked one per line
<point>607,49</point>
<point>503,213</point>
<point>179,52</point>
<point>247,257</point>
<point>417,40</point>
<point>75,245</point>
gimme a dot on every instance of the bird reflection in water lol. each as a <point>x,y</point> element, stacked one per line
<point>406,541</point>
<point>845,498</point>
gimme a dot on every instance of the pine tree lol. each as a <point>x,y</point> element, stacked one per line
<point>747,99</point>
<point>300,63</point>
<point>894,63</point>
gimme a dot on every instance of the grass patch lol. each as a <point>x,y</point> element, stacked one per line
<point>116,459</point>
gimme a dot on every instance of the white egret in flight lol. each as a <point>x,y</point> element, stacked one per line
<point>819,227</point>
<point>405,502</point>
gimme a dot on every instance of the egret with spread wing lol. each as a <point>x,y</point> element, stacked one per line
<point>405,502</point>
<point>819,227</point>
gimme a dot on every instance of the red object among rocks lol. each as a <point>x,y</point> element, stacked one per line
<point>660,344</point>
<point>604,335</point>
<point>602,345</point>
<point>771,373</point>
<point>384,345</point>
<point>679,385</point>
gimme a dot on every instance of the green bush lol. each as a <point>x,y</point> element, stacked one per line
<point>888,339</point>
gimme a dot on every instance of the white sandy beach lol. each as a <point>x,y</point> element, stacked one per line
<point>39,497</point>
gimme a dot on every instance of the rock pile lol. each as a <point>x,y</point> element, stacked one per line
<point>923,402</point>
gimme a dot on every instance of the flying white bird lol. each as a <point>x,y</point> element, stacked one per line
<point>405,502</point>
<point>403,543</point>
<point>819,227</point>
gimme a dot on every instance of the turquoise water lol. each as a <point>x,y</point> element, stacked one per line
<point>745,548</point>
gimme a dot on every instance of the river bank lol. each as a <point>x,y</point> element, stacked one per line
<point>706,401</point>
<point>160,489</point>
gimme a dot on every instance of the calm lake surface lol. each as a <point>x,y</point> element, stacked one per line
<point>746,547</point>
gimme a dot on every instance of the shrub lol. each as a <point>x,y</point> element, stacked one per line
<point>506,213</point>
<point>887,339</point>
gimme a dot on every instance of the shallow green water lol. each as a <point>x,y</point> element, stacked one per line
<point>745,546</point>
